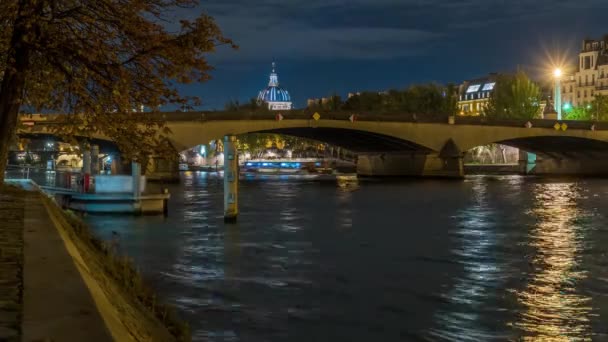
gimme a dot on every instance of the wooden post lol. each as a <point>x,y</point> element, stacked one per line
<point>231,179</point>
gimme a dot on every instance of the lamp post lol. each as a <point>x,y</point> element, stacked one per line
<point>557,73</point>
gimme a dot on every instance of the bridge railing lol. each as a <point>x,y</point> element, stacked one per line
<point>538,123</point>
<point>294,115</point>
<point>37,122</point>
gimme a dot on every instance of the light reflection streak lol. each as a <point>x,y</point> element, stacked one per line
<point>347,185</point>
<point>476,240</point>
<point>554,310</point>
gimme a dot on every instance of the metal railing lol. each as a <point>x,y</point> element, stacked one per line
<point>43,177</point>
<point>20,171</point>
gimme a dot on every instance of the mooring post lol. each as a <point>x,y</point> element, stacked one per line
<point>231,179</point>
<point>136,178</point>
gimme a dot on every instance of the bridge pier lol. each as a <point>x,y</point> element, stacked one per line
<point>162,169</point>
<point>573,164</point>
<point>527,162</point>
<point>231,179</point>
<point>412,164</point>
<point>448,163</point>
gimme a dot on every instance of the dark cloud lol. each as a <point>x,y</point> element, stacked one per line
<point>326,46</point>
<point>364,29</point>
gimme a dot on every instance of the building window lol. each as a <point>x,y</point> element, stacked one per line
<point>578,93</point>
<point>593,79</point>
<point>585,93</point>
<point>587,62</point>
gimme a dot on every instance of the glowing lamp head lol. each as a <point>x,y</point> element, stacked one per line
<point>557,73</point>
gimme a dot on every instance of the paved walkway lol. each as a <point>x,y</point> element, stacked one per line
<point>56,303</point>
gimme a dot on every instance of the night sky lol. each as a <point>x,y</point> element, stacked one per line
<point>323,47</point>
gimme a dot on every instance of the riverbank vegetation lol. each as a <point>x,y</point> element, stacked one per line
<point>596,110</point>
<point>514,97</point>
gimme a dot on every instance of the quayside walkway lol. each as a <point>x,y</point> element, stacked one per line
<point>55,288</point>
<point>43,295</point>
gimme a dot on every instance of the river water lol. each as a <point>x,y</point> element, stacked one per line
<point>487,258</point>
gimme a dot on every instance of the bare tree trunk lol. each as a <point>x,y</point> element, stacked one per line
<point>13,83</point>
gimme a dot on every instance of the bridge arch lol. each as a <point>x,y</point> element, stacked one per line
<point>343,134</point>
<point>558,145</point>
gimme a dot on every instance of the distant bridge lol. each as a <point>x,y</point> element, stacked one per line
<point>393,145</point>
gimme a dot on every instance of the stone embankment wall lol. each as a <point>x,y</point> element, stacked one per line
<point>11,262</point>
<point>130,309</point>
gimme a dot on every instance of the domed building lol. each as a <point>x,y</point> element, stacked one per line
<point>276,97</point>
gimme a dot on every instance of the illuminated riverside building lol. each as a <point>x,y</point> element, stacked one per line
<point>274,96</point>
<point>591,75</point>
<point>475,94</point>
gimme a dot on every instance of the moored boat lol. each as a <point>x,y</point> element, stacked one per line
<point>286,166</point>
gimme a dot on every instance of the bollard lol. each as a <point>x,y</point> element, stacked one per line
<point>231,179</point>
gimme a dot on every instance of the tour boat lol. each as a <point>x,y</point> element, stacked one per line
<point>285,166</point>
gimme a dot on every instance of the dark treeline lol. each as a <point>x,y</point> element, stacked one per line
<point>428,100</point>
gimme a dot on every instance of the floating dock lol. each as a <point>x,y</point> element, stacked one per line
<point>110,203</point>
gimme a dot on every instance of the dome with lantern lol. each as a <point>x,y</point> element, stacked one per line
<point>274,96</point>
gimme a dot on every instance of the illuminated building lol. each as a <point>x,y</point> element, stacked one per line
<point>591,76</point>
<point>475,94</point>
<point>274,96</point>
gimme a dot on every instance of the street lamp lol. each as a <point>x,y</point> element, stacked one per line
<point>557,73</point>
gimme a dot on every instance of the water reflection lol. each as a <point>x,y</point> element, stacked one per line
<point>554,308</point>
<point>347,185</point>
<point>476,239</point>
<point>487,259</point>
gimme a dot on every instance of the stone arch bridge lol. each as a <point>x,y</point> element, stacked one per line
<point>399,145</point>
